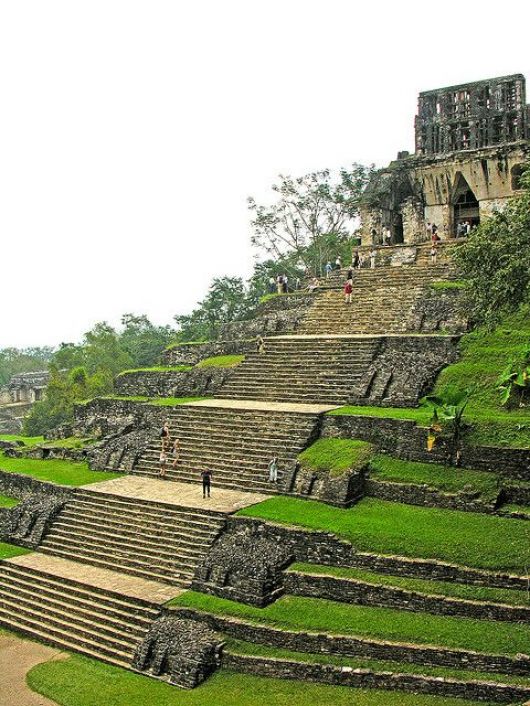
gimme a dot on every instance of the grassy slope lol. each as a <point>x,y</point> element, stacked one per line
<point>247,648</point>
<point>26,440</point>
<point>336,455</point>
<point>78,681</point>
<point>158,369</point>
<point>471,539</point>
<point>447,479</point>
<point>56,471</point>
<point>330,617</point>
<point>10,550</point>
<point>221,361</point>
<point>427,586</point>
<point>7,501</point>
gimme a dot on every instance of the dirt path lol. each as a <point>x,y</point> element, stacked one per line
<point>17,657</point>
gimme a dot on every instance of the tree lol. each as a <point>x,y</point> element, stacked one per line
<point>448,410</point>
<point>227,300</point>
<point>307,209</point>
<point>142,340</point>
<point>22,360</point>
<point>494,260</point>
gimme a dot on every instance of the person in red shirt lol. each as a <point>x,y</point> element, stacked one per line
<point>348,289</point>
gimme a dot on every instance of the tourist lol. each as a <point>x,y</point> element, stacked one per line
<point>273,470</point>
<point>297,284</point>
<point>348,290</point>
<point>355,259</point>
<point>165,436</point>
<point>206,482</point>
<point>285,284</point>
<point>373,234</point>
<point>163,463</point>
<point>328,268</point>
<point>468,227</point>
<point>338,263</point>
<point>272,285</point>
<point>176,452</point>
<point>279,284</point>
<point>434,253</point>
<point>260,344</point>
<point>361,261</point>
<point>429,230</point>
<point>435,237</point>
<point>313,285</point>
<point>349,274</point>
<point>387,240</point>
<point>373,255</point>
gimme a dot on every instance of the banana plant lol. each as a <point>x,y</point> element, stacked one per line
<point>448,410</point>
<point>514,381</point>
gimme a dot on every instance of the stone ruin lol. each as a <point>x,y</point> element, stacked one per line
<point>472,141</point>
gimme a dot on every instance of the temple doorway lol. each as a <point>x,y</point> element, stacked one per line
<point>466,210</point>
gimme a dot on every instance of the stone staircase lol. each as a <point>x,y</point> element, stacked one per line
<point>383,302</point>
<point>156,541</point>
<point>236,444</point>
<point>297,369</point>
<point>73,615</point>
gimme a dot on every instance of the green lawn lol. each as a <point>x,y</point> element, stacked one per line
<point>26,440</point>
<point>79,681</point>
<point>248,648</point>
<point>54,470</point>
<point>421,415</point>
<point>445,478</point>
<point>336,455</point>
<point>7,501</point>
<point>221,361</point>
<point>472,539</point>
<point>159,369</point>
<point>174,401</point>
<point>427,586</point>
<point>331,617</point>
<point>7,551</point>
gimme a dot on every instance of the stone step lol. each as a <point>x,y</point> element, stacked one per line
<point>40,629</point>
<point>139,546</point>
<point>187,537</point>
<point>233,453</point>
<point>179,579</point>
<point>225,482</point>
<point>233,467</point>
<point>251,482</point>
<point>216,435</point>
<point>92,606</point>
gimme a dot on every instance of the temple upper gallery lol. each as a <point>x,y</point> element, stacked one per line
<point>472,142</point>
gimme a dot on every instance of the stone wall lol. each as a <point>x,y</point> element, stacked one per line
<point>193,353</point>
<point>345,646</point>
<point>368,679</point>
<point>438,310</point>
<point>231,549</point>
<point>103,416</point>
<point>404,369</point>
<point>279,315</point>
<point>198,382</point>
<point>404,439</point>
<point>347,590</point>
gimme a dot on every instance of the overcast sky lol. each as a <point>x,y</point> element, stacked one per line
<point>131,133</point>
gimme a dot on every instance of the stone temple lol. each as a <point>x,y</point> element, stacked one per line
<point>471,142</point>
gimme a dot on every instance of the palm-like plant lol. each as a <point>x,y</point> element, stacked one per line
<point>448,410</point>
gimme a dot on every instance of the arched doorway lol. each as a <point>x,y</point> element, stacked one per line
<point>466,210</point>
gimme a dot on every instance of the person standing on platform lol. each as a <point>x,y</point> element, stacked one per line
<point>206,482</point>
<point>273,470</point>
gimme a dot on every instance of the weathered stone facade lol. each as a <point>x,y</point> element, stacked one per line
<point>471,143</point>
<point>197,382</point>
<point>277,316</point>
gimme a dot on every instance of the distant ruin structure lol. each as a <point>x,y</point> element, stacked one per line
<point>472,142</point>
<point>17,397</point>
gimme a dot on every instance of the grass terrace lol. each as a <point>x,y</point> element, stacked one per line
<point>221,361</point>
<point>465,538</point>
<point>247,648</point>
<point>79,681</point>
<point>336,455</point>
<point>444,478</point>
<point>448,589</point>
<point>72,442</point>
<point>8,501</point>
<point>8,551</point>
<point>330,617</point>
<point>62,472</point>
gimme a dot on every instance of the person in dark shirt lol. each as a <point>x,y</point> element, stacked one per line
<point>206,482</point>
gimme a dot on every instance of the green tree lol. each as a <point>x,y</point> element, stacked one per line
<point>142,340</point>
<point>306,210</point>
<point>22,360</point>
<point>494,260</point>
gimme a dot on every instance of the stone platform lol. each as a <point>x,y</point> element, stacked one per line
<point>95,577</point>
<point>264,406</point>
<point>178,494</point>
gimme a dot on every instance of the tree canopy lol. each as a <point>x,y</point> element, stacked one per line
<point>495,261</point>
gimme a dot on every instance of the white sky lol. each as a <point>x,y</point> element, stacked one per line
<point>132,132</point>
